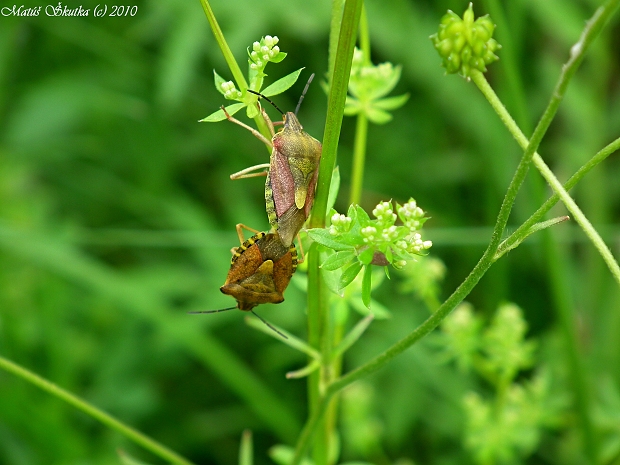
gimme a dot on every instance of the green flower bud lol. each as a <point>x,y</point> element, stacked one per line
<point>465,44</point>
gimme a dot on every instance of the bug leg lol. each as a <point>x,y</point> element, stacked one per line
<point>248,172</point>
<point>301,250</point>
<point>270,124</point>
<point>240,227</point>
<point>257,134</point>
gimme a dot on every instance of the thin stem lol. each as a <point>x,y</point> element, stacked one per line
<point>318,305</point>
<point>108,420</point>
<point>361,129</point>
<point>537,216</point>
<point>359,157</point>
<point>221,41</point>
<point>335,108</point>
<point>542,167</point>
<point>232,63</point>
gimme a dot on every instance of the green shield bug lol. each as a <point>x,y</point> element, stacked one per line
<point>293,171</point>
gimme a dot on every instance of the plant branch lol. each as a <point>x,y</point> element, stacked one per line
<point>551,201</point>
<point>592,29</point>
<point>221,41</point>
<point>530,149</point>
<point>108,420</point>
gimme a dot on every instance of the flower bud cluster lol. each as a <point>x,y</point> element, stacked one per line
<point>263,52</point>
<point>341,224</point>
<point>403,241</point>
<point>465,44</point>
<point>230,91</point>
<point>411,215</point>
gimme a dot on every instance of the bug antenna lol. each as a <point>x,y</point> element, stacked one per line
<point>266,98</point>
<point>303,94</point>
<point>212,311</point>
<point>268,324</point>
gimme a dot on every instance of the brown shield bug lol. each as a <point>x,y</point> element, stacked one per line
<point>260,271</point>
<point>293,171</point>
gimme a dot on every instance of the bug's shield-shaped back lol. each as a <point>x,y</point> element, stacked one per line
<point>290,185</point>
<point>260,271</point>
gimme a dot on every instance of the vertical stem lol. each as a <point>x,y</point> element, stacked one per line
<point>319,331</point>
<point>361,129</point>
<point>225,49</point>
<point>359,158</point>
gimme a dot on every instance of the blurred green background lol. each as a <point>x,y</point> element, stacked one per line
<point>117,217</point>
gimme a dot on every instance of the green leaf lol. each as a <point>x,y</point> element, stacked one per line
<point>323,237</point>
<point>282,84</point>
<point>334,187</point>
<point>252,111</point>
<point>352,106</point>
<point>246,454</point>
<point>219,80</point>
<point>504,247</point>
<point>219,114</point>
<point>391,103</point>
<point>349,274</point>
<point>283,455</point>
<point>367,255</point>
<point>332,281</point>
<point>304,371</point>
<point>378,116</point>
<point>366,286</point>
<point>338,260</point>
<point>278,58</point>
<point>379,311</point>
<point>362,216</point>
<point>385,86</point>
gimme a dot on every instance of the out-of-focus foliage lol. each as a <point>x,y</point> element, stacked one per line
<point>117,217</point>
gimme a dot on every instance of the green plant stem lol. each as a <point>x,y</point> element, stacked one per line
<point>361,129</point>
<point>359,157</point>
<point>318,305</point>
<point>511,74</point>
<point>364,38</point>
<point>530,150</point>
<point>335,108</point>
<point>521,231</point>
<point>108,420</point>
<point>221,41</point>
<point>232,63</point>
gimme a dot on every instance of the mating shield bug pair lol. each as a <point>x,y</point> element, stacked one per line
<point>262,267</point>
<point>293,171</point>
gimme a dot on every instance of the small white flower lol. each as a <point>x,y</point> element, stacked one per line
<point>390,233</point>
<point>269,41</point>
<point>399,264</point>
<point>368,233</point>
<point>256,46</point>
